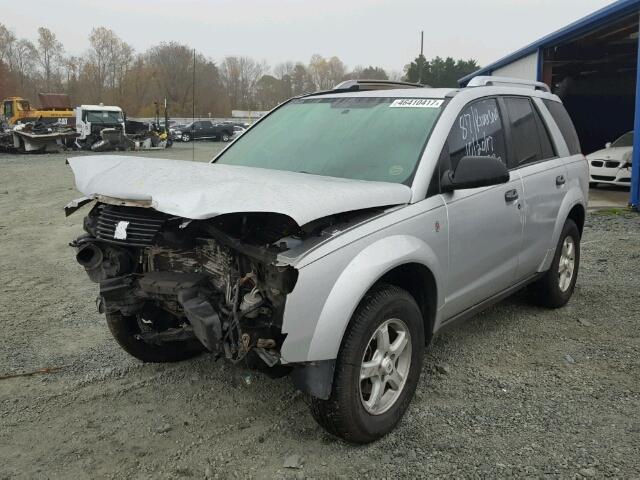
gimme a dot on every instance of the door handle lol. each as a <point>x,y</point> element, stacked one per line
<point>560,180</point>
<point>511,195</point>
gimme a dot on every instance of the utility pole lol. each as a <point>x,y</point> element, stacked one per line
<point>419,65</point>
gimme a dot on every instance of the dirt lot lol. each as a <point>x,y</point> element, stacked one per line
<point>518,391</point>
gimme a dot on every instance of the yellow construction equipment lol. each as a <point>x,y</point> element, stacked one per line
<point>55,107</point>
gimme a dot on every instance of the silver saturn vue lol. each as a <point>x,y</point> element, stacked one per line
<point>338,235</point>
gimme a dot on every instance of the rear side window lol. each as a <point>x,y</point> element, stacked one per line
<point>531,142</point>
<point>477,132</point>
<point>562,119</point>
<point>546,146</point>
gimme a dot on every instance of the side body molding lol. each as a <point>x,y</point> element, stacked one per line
<point>351,281</point>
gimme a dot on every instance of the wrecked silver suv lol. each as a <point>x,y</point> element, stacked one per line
<point>338,235</point>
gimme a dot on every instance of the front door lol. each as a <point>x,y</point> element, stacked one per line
<point>485,224</point>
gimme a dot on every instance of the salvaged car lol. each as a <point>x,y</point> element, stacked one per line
<point>338,235</point>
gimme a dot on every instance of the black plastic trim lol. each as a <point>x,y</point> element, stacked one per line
<point>314,378</point>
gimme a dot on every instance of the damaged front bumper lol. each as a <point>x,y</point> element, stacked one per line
<point>186,279</point>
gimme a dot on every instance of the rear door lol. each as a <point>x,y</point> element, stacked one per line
<point>210,129</point>
<point>198,130</point>
<point>485,224</point>
<point>544,180</point>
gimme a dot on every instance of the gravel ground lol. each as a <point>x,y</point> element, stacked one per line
<point>517,391</point>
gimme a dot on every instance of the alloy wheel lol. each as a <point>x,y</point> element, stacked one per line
<point>385,366</point>
<point>567,263</point>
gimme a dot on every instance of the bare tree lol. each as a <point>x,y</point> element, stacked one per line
<point>7,42</point>
<point>171,65</point>
<point>284,69</point>
<point>318,69</point>
<point>49,53</point>
<point>24,60</point>
<point>325,74</point>
<point>110,58</point>
<point>336,71</point>
<point>240,76</point>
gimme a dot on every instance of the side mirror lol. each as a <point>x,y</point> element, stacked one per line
<point>607,145</point>
<point>474,172</point>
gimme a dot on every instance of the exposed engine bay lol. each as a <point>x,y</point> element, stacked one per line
<point>216,281</point>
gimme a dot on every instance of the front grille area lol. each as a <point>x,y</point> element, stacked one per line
<point>611,164</point>
<point>604,178</point>
<point>143,225</point>
<point>597,163</point>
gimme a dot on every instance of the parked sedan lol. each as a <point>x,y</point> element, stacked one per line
<point>612,164</point>
<point>206,130</point>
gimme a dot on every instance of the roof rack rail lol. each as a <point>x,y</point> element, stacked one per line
<point>487,81</point>
<point>364,85</point>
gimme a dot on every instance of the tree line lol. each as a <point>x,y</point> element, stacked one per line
<point>112,72</point>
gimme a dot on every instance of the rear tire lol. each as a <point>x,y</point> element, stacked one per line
<point>124,330</point>
<point>355,411</point>
<point>555,288</point>
<point>225,137</point>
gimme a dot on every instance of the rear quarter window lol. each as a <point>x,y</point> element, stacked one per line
<point>563,120</point>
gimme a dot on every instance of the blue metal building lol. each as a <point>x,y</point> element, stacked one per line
<point>592,64</point>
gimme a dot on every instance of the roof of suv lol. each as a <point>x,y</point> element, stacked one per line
<point>488,85</point>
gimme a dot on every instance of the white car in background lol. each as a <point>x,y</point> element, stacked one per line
<point>612,165</point>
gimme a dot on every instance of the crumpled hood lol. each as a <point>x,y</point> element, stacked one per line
<point>198,190</point>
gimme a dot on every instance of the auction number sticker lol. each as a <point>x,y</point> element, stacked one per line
<point>416,103</point>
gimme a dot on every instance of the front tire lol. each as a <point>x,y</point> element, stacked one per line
<point>555,288</point>
<point>124,330</point>
<point>377,369</point>
<point>186,137</point>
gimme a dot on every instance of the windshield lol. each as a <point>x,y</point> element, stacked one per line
<point>102,116</point>
<point>625,140</point>
<point>361,138</point>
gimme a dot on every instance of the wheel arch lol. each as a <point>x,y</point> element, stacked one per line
<point>572,208</point>
<point>577,214</point>
<point>419,281</point>
<point>402,260</point>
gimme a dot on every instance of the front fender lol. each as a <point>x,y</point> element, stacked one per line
<point>317,315</point>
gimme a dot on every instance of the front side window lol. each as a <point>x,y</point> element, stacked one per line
<point>477,132</point>
<point>625,140</point>
<point>363,138</point>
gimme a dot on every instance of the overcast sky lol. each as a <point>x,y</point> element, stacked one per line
<point>361,32</point>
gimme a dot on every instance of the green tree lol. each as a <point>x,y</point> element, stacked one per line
<point>417,71</point>
<point>439,72</point>
<point>368,73</point>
